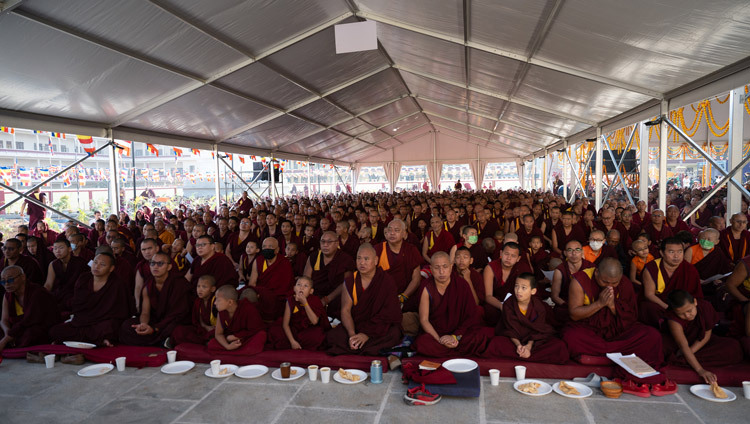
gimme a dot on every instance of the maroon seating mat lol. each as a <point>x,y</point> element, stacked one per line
<point>137,356</point>
<point>732,375</point>
<point>272,358</point>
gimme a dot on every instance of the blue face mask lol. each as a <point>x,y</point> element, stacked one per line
<point>73,246</point>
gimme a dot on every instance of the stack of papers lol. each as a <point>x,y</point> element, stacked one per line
<point>633,364</point>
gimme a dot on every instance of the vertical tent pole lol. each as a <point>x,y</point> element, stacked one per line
<point>734,154</point>
<point>114,192</point>
<point>309,188</point>
<point>533,173</point>
<point>217,187</point>
<point>565,170</point>
<point>599,163</point>
<point>663,156</point>
<point>643,165</point>
<point>544,170</point>
<point>521,178</point>
<point>272,170</point>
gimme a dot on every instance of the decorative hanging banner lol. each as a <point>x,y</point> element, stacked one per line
<point>7,174</point>
<point>44,174</point>
<point>196,152</point>
<point>88,144</point>
<point>8,130</point>
<point>57,134</point>
<point>155,176</point>
<point>66,179</point>
<point>152,149</point>
<point>177,152</point>
<point>125,147</point>
<point>242,159</point>
<point>49,144</point>
<point>81,177</point>
<point>124,175</point>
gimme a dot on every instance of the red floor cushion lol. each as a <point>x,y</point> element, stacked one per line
<point>592,360</point>
<point>137,356</point>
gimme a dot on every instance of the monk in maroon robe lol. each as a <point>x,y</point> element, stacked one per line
<point>328,267</point>
<point>62,275</point>
<point>708,258</point>
<point>401,261</point>
<point>562,276</point>
<point>43,256</point>
<point>657,230</point>
<point>297,259</point>
<point>304,323</point>
<point>566,232</point>
<point>526,333</point>
<point>738,285</point>
<point>527,231</point>
<point>165,304</point>
<point>486,226</point>
<point>462,267</point>
<point>375,228</point>
<point>28,311</point>
<point>236,242</point>
<point>673,220</point>
<point>663,275</point>
<point>203,315</point>
<point>12,249</point>
<point>45,235</point>
<point>604,312</point>
<point>735,239</point>
<point>448,315</point>
<point>500,278</point>
<point>209,262</point>
<point>349,244</point>
<point>36,212</point>
<point>100,305</point>
<point>690,341</point>
<point>244,204</point>
<point>370,310</point>
<point>437,239</point>
<point>240,330</point>
<point>271,280</point>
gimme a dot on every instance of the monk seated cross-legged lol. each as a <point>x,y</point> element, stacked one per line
<point>212,263</point>
<point>327,268</point>
<point>526,334</point>
<point>500,278</point>
<point>62,274</point>
<point>304,323</point>
<point>270,281</point>
<point>451,324</point>
<point>240,330</point>
<point>370,310</point>
<point>203,316</point>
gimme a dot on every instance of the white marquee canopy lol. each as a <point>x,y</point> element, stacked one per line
<point>452,80</point>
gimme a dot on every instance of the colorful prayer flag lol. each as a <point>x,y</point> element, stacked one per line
<point>155,175</point>
<point>44,174</point>
<point>177,152</point>
<point>49,144</point>
<point>152,149</point>
<point>8,130</point>
<point>66,179</point>
<point>81,177</point>
<point>123,175</point>
<point>242,159</point>
<point>88,143</point>
<point>196,152</point>
<point>7,174</point>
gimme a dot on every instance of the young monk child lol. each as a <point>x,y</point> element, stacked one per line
<point>539,260</point>
<point>525,333</point>
<point>204,314</point>
<point>180,265</point>
<point>240,330</point>
<point>304,323</point>
<point>639,261</point>
<point>247,260</point>
<point>690,340</point>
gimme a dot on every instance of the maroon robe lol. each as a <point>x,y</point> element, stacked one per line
<point>247,264</point>
<point>65,281</point>
<point>455,230</point>
<point>500,288</point>
<point>715,262</point>
<point>224,240</point>
<point>657,235</point>
<point>243,206</point>
<point>246,325</point>
<point>401,265</point>
<point>452,313</point>
<point>327,277</point>
<point>685,277</point>
<point>539,262</point>
<point>236,246</point>
<point>642,222</point>
<point>524,237</point>
<point>576,233</point>
<point>36,212</point>
<point>219,266</point>
<point>477,281</point>
<point>144,267</point>
<point>379,233</point>
<point>170,307</point>
<point>735,249</point>
<point>298,262</point>
<point>97,315</point>
<point>487,231</point>
<point>350,247</point>
<point>180,265</point>
<point>309,246</point>
<point>40,313</point>
<point>29,266</point>
<point>204,311</point>
<point>680,225</point>
<point>273,286</point>
<point>309,336</point>
<point>376,312</point>
<point>441,243</point>
<point>48,239</point>
<point>43,257</point>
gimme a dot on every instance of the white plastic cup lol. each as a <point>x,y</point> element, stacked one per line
<point>171,356</point>
<point>215,367</point>
<point>49,360</point>
<point>325,375</point>
<point>520,372</point>
<point>312,371</point>
<point>746,389</point>
<point>495,377</point>
<point>120,363</point>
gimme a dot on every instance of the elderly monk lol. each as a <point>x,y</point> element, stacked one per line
<point>270,281</point>
<point>240,330</point>
<point>62,274</point>
<point>12,249</point>
<point>100,305</point>
<point>327,268</point>
<point>500,279</point>
<point>212,263</point>
<point>735,239</point>
<point>370,310</point>
<point>401,261</point>
<point>165,304</point>
<point>562,234</point>
<point>596,250</point>
<point>708,258</point>
<point>28,311</point>
<point>437,239</point>
<point>604,311</point>
<point>450,321</point>
<point>663,275</point>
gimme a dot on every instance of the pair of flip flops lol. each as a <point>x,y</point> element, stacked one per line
<point>669,387</point>
<point>591,380</point>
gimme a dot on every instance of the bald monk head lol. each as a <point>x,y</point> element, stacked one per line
<point>738,222</point>
<point>13,279</point>
<point>511,255</point>
<point>118,246</point>
<point>148,248</point>
<point>708,238</point>
<point>511,238</point>
<point>717,223</point>
<point>102,266</point>
<point>270,248</point>
<point>226,299</point>
<point>367,259</point>
<point>329,243</point>
<point>608,273</point>
<point>657,217</point>
<point>441,267</point>
<point>12,248</point>
<point>395,232</point>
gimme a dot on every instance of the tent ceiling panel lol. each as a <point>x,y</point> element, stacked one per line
<point>390,112</point>
<point>387,144</point>
<point>508,24</point>
<point>315,62</point>
<point>522,134</point>
<point>476,132</point>
<point>354,127</point>
<point>370,92</point>
<point>435,90</point>
<point>311,143</point>
<point>428,54</point>
<point>273,133</point>
<point>180,45</point>
<point>374,137</point>
<point>445,17</point>
<point>542,120</point>
<point>206,113</point>
<point>436,109</point>
<point>447,124</point>
<point>659,45</point>
<point>40,74</point>
<point>485,104</point>
<point>259,25</point>
<point>481,122</point>
<point>322,111</point>
<point>258,81</point>
<point>492,72</point>
<point>404,125</point>
<point>342,148</point>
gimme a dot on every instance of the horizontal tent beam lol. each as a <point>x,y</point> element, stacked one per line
<point>395,137</point>
<point>485,130</point>
<point>490,145</point>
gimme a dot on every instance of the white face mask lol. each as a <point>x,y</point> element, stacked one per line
<point>596,245</point>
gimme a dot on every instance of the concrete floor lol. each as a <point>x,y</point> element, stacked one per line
<point>30,393</point>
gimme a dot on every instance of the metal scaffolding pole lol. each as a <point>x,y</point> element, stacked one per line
<point>272,179</point>
<point>663,156</point>
<point>114,192</point>
<point>566,180</point>
<point>618,165</point>
<point>643,165</point>
<point>578,180</point>
<point>38,203</point>
<point>217,187</point>
<point>599,166</point>
<point>718,187</point>
<point>249,186</point>
<point>734,154</point>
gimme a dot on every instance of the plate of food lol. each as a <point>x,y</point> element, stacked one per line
<point>225,370</point>
<point>95,370</point>
<point>350,376</point>
<point>179,367</point>
<point>251,371</point>
<point>532,387</point>
<point>460,365</point>
<point>572,389</point>
<point>79,345</point>
<point>294,373</point>
<point>712,392</point>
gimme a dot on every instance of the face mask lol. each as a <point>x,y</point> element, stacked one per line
<point>73,246</point>
<point>473,239</point>
<point>596,245</point>
<point>706,244</point>
<point>268,253</point>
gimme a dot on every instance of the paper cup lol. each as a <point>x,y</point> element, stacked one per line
<point>325,375</point>
<point>171,356</point>
<point>520,372</point>
<point>215,365</point>
<point>312,371</point>
<point>495,377</point>
<point>49,360</point>
<point>120,362</point>
<point>746,389</point>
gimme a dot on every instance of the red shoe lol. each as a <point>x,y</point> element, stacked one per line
<point>669,387</point>
<point>635,389</point>
<point>419,395</point>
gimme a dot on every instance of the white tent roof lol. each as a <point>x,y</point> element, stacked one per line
<point>510,76</point>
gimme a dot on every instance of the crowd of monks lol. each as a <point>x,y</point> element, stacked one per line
<point>514,274</point>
